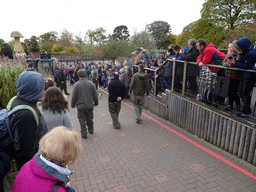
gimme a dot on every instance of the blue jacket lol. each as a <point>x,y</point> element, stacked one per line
<point>247,58</point>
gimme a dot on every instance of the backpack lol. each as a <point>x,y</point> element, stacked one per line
<point>6,137</point>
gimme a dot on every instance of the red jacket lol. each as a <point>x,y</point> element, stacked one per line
<point>211,55</point>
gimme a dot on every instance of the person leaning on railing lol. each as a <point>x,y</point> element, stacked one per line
<point>192,70</point>
<point>233,75</point>
<point>246,61</point>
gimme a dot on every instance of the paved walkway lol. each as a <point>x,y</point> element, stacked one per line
<point>153,156</point>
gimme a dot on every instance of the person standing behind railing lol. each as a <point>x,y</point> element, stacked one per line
<point>233,75</point>
<point>246,61</point>
<point>209,55</point>
<point>192,70</point>
<point>167,73</point>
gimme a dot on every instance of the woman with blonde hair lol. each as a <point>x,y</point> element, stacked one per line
<point>46,170</point>
<point>55,109</point>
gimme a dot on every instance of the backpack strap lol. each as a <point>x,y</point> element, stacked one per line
<point>20,107</point>
<point>56,186</point>
<point>10,103</point>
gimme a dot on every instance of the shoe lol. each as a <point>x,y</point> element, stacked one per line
<point>246,115</point>
<point>138,121</point>
<point>91,132</point>
<point>238,114</point>
<point>67,93</point>
<point>84,136</point>
<point>117,127</point>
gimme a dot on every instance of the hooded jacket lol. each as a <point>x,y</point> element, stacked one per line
<point>247,56</point>
<point>139,84</point>
<point>211,55</point>
<point>37,175</point>
<point>29,89</point>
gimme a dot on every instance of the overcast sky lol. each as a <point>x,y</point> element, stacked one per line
<point>77,16</point>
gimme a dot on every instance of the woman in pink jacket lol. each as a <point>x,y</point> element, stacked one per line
<point>47,169</point>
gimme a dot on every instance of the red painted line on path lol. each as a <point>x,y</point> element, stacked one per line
<point>200,146</point>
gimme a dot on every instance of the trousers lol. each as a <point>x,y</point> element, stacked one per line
<point>85,117</point>
<point>114,109</point>
<point>138,102</point>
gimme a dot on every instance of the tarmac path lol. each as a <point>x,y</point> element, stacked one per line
<point>155,155</point>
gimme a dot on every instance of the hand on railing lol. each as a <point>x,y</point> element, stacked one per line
<point>201,64</point>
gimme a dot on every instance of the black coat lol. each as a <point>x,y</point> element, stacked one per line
<point>116,88</point>
<point>191,56</point>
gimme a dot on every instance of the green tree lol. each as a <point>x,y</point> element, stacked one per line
<point>98,51</point>
<point>229,13</point>
<point>206,30</point>
<point>142,39</point>
<point>160,31</point>
<point>247,30</point>
<point>57,48</point>
<point>71,49</point>
<point>79,44</point>
<point>51,36</point>
<point>98,36</point>
<point>31,44</point>
<point>114,49</point>
<point>88,48</point>
<point>46,47</point>
<point>121,33</point>
<point>173,39</point>
<point>1,44</point>
<point>7,51</point>
<point>186,35</point>
<point>66,38</point>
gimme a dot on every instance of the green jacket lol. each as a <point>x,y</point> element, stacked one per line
<point>94,74</point>
<point>233,74</point>
<point>139,84</point>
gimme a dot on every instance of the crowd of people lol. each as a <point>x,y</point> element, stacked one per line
<point>240,55</point>
<point>40,144</point>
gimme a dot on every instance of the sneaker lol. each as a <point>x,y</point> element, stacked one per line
<point>138,121</point>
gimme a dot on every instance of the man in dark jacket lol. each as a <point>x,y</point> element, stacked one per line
<point>62,81</point>
<point>166,73</point>
<point>29,89</point>
<point>116,90</point>
<point>192,70</point>
<point>246,61</point>
<point>139,86</point>
<point>84,98</point>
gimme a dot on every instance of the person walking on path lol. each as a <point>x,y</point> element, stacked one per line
<point>139,86</point>
<point>62,80</point>
<point>84,98</point>
<point>116,90</point>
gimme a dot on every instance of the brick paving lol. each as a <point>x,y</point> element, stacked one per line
<point>149,157</point>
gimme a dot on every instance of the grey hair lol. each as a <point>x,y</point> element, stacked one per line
<point>192,42</point>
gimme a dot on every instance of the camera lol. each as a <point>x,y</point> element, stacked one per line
<point>230,57</point>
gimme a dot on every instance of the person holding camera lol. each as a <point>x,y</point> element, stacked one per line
<point>246,60</point>
<point>233,75</point>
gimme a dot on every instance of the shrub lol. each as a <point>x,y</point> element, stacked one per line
<point>9,72</point>
<point>71,49</point>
